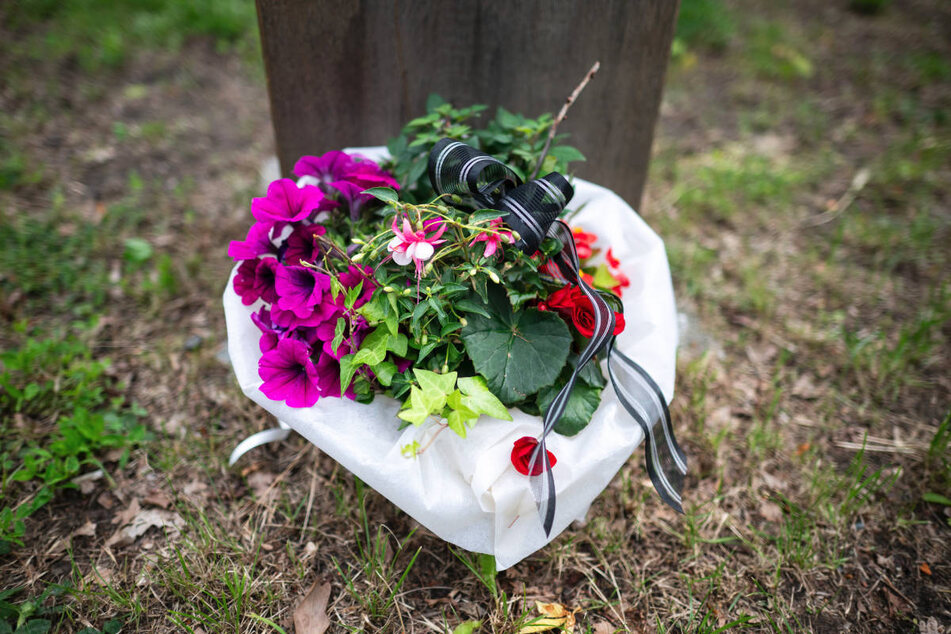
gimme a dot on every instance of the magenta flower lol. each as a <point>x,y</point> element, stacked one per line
<point>255,280</point>
<point>299,289</point>
<point>328,378</point>
<point>493,241</point>
<point>288,319</point>
<point>286,202</point>
<point>300,244</point>
<point>269,334</point>
<point>257,243</point>
<point>323,170</point>
<point>415,246</point>
<point>289,374</point>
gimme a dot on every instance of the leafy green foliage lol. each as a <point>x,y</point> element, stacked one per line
<point>514,139</point>
<point>518,353</point>
<point>57,415</point>
<point>434,394</point>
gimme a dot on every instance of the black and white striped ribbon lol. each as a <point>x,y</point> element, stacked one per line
<point>532,209</point>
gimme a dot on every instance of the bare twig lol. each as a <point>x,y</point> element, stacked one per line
<point>859,181</point>
<point>562,114</point>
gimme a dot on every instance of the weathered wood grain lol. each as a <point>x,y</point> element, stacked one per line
<point>347,73</point>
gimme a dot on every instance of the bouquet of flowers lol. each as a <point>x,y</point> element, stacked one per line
<point>445,281</point>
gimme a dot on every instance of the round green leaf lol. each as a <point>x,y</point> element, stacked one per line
<point>518,353</point>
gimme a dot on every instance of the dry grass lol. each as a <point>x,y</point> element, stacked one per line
<point>812,381</point>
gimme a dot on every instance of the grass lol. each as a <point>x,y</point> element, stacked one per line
<point>103,34</point>
<point>59,418</point>
<point>812,394</point>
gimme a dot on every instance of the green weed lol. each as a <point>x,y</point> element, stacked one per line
<point>106,33</point>
<point>704,24</point>
<point>57,415</point>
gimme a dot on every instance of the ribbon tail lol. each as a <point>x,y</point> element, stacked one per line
<point>254,441</point>
<point>644,401</point>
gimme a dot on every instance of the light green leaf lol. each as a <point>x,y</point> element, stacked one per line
<point>137,250</point>
<point>397,343</point>
<point>421,405</point>
<point>338,334</point>
<point>603,277</point>
<point>566,153</point>
<point>347,369</point>
<point>384,372</point>
<point>442,384</point>
<point>467,627</point>
<point>373,349</point>
<point>386,194</point>
<point>480,399</point>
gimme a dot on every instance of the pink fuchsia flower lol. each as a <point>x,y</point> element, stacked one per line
<point>493,241</point>
<point>415,246</point>
<point>255,280</point>
<point>289,374</point>
<point>300,244</point>
<point>299,289</point>
<point>256,244</point>
<point>286,202</point>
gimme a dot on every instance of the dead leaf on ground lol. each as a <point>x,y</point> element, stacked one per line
<point>87,481</point>
<point>260,482</point>
<point>553,616</point>
<point>131,528</point>
<point>310,615</point>
<point>771,511</point>
<point>158,498</point>
<point>86,530</point>
<point>105,500</point>
<point>125,516</point>
<point>195,488</point>
<point>603,627</point>
<point>925,568</point>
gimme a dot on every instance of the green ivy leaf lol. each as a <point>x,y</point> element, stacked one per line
<point>480,399</point>
<point>433,383</point>
<point>384,372</point>
<point>517,353</point>
<point>338,334</point>
<point>373,349</point>
<point>347,369</point>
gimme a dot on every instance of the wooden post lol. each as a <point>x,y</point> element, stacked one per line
<point>350,73</point>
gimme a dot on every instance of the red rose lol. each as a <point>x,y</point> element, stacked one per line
<point>522,456</point>
<point>562,301</point>
<point>571,303</point>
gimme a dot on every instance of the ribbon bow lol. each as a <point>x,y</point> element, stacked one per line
<point>532,209</point>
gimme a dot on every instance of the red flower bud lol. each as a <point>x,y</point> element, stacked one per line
<point>522,456</point>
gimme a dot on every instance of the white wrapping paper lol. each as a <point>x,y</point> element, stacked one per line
<point>466,490</point>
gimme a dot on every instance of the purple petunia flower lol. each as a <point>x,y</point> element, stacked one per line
<point>300,289</point>
<point>255,280</point>
<point>300,244</point>
<point>289,374</point>
<point>286,202</point>
<point>270,334</point>
<point>324,169</point>
<point>256,244</point>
